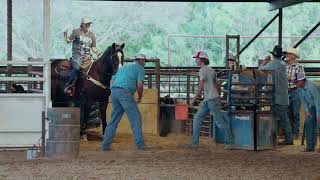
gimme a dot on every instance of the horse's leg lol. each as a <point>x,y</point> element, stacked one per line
<point>82,119</point>
<point>103,107</point>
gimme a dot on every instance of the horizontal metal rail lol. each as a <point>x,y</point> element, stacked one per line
<point>21,95</point>
<point>23,79</point>
<point>24,63</point>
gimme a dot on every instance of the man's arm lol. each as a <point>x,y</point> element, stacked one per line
<point>140,90</point>
<point>94,46</point>
<point>316,95</point>
<point>96,51</point>
<point>265,65</point>
<point>71,37</point>
<point>200,88</point>
<point>304,102</point>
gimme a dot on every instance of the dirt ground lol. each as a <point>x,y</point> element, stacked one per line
<point>166,158</point>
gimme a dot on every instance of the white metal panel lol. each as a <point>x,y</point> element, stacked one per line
<point>20,120</point>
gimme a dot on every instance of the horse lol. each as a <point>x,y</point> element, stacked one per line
<point>92,86</point>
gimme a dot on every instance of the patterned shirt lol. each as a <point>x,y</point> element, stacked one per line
<point>292,70</point>
<point>82,43</point>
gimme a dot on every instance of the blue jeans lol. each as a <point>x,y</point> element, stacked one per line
<point>281,117</point>
<point>212,106</point>
<point>295,103</point>
<point>123,101</point>
<point>73,71</point>
<point>310,127</point>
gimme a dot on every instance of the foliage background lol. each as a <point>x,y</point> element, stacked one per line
<point>145,26</point>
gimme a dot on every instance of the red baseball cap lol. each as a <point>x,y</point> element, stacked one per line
<point>201,54</point>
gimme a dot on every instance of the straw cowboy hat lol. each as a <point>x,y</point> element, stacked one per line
<point>294,52</point>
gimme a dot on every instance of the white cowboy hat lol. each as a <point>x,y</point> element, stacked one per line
<point>85,20</point>
<point>294,52</point>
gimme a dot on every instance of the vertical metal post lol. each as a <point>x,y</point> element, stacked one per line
<point>9,43</point>
<point>238,51</point>
<point>157,64</point>
<point>47,67</point>
<point>227,49</point>
<point>280,28</point>
<point>43,134</point>
<point>149,81</point>
<point>169,50</point>
<point>29,75</point>
<point>188,88</point>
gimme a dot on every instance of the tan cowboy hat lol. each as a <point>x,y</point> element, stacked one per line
<point>294,52</point>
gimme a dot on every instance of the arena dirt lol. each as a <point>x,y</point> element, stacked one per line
<point>166,158</point>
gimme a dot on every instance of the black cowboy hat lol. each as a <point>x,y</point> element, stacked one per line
<point>277,51</point>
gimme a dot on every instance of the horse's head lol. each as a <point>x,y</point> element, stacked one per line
<point>117,56</point>
<point>113,56</point>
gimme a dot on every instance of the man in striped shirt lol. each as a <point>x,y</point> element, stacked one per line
<point>293,67</point>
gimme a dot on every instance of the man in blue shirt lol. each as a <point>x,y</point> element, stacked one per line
<point>281,91</point>
<point>310,97</point>
<point>124,83</point>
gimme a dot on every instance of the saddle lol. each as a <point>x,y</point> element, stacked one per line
<point>64,66</point>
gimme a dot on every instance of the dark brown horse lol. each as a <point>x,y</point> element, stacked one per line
<point>91,88</point>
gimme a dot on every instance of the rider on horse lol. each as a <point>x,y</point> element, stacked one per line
<point>83,41</point>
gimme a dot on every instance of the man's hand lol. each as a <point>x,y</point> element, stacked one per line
<point>307,115</point>
<point>99,54</point>
<point>192,102</point>
<point>318,120</point>
<point>139,99</point>
<point>266,60</point>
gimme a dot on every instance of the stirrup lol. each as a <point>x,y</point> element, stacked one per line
<point>69,90</point>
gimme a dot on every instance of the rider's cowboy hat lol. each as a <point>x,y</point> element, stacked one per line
<point>86,20</point>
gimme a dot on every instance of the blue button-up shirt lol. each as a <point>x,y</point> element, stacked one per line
<point>128,76</point>
<point>281,80</point>
<point>310,97</point>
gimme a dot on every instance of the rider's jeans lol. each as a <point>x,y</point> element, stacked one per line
<point>74,70</point>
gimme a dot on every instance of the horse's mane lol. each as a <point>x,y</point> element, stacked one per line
<point>105,54</point>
